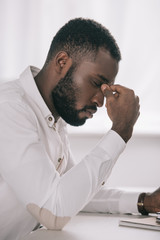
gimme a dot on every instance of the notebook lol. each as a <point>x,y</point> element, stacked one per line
<point>141,222</point>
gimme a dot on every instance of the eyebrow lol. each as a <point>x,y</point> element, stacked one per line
<point>105,80</point>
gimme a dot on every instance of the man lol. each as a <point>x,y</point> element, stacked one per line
<point>39,181</point>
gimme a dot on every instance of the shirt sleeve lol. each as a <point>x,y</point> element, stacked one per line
<point>109,200</point>
<point>25,165</point>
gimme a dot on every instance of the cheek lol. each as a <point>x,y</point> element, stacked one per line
<point>83,98</point>
<point>84,93</point>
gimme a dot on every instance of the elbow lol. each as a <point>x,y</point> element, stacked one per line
<point>47,218</point>
<point>53,222</point>
<point>56,223</point>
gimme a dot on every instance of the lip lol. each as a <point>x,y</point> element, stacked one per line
<point>90,112</point>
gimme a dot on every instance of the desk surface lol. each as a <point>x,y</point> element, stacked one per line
<point>87,226</point>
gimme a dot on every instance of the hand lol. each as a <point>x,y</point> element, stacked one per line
<point>122,107</point>
<point>152,201</point>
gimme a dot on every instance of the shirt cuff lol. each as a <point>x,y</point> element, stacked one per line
<point>128,202</point>
<point>111,141</point>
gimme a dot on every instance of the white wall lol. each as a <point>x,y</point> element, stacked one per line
<point>138,166</point>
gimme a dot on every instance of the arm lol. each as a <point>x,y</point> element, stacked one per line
<point>109,200</point>
<point>120,201</point>
<point>123,109</point>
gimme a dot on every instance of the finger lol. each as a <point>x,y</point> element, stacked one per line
<point>137,98</point>
<point>118,88</point>
<point>106,91</point>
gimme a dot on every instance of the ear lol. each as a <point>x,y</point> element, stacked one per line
<point>63,62</point>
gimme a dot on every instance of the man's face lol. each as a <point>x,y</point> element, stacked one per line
<point>77,95</point>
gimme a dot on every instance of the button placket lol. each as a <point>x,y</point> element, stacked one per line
<point>60,160</point>
<point>52,124</point>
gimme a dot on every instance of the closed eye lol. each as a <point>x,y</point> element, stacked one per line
<point>97,84</point>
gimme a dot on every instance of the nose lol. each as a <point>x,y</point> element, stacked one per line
<point>98,99</point>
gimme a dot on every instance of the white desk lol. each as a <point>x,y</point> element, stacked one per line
<point>95,227</point>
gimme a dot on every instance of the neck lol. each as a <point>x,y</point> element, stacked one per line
<point>41,80</point>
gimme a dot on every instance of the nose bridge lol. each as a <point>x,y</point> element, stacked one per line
<point>98,98</point>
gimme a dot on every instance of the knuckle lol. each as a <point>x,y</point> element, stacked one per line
<point>132,92</point>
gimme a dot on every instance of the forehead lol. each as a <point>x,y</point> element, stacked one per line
<point>104,66</point>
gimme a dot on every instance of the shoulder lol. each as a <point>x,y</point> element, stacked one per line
<point>13,102</point>
<point>11,92</point>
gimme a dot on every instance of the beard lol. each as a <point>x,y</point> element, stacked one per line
<point>64,97</point>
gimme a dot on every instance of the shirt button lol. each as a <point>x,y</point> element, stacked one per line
<point>103,183</point>
<point>50,119</point>
<point>59,159</point>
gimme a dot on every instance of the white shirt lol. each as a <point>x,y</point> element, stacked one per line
<point>39,181</point>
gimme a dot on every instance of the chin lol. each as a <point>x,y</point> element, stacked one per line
<point>77,123</point>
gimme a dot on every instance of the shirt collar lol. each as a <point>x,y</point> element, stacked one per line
<point>30,87</point>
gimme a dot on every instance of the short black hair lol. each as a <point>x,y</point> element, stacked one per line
<point>83,38</point>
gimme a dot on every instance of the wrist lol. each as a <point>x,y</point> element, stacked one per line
<point>124,133</point>
<point>141,205</point>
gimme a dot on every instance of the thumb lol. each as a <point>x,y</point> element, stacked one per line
<point>107,91</point>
